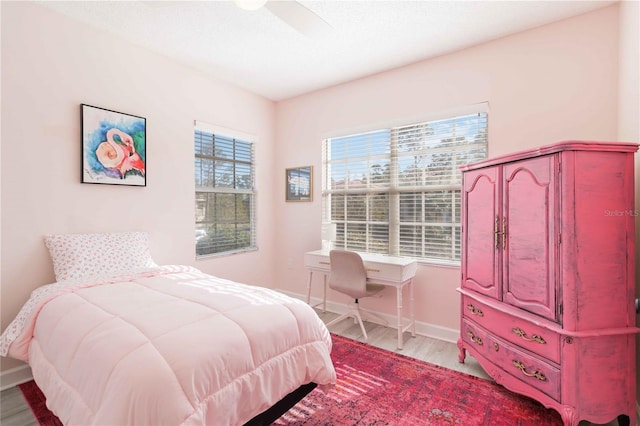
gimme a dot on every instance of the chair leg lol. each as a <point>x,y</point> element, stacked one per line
<point>355,313</point>
<point>370,314</point>
<point>364,332</point>
<point>340,318</point>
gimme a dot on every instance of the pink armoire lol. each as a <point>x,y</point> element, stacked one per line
<point>548,276</point>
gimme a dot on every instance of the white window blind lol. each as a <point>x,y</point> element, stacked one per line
<point>397,190</point>
<point>225,196</point>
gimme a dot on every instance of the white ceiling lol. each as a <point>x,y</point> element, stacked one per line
<point>258,51</point>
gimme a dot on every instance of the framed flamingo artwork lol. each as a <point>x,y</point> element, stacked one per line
<point>113,147</point>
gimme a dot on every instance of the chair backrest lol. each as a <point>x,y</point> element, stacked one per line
<point>348,274</point>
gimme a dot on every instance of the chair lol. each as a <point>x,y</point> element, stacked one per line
<point>349,276</point>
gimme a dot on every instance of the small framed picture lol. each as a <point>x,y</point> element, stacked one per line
<point>299,184</point>
<point>114,147</point>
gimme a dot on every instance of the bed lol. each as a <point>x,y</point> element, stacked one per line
<point>120,340</point>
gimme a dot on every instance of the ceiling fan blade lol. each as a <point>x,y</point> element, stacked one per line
<point>299,17</point>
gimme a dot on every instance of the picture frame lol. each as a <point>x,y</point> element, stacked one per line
<point>299,183</point>
<point>114,147</point>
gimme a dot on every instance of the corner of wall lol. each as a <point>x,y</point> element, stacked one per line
<point>629,72</point>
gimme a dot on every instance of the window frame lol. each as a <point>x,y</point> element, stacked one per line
<point>234,135</point>
<point>394,191</point>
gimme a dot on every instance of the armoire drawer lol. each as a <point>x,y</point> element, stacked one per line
<point>517,330</point>
<point>527,368</point>
<point>475,336</point>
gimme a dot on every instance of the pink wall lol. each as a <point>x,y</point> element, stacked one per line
<point>549,84</point>
<point>50,65</point>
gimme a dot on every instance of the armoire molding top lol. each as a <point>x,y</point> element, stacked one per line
<point>569,145</point>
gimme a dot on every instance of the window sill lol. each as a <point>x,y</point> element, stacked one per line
<point>439,263</point>
<point>224,253</point>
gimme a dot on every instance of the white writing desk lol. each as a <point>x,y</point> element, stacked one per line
<point>386,270</point>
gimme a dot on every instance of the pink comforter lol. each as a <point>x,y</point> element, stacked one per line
<point>173,346</point>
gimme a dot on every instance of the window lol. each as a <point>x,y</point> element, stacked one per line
<point>225,196</point>
<point>397,190</point>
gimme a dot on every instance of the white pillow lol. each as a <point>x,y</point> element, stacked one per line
<point>83,256</point>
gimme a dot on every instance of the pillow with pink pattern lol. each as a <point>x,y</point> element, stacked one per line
<point>84,256</point>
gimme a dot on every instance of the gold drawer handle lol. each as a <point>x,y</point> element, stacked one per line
<point>534,338</point>
<point>474,310</point>
<point>475,339</point>
<point>373,270</point>
<point>538,375</point>
<point>325,263</point>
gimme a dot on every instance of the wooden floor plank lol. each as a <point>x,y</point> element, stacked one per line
<point>14,410</point>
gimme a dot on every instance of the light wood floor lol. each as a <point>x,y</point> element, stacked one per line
<point>14,411</point>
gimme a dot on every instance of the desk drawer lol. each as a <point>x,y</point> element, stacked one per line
<point>384,269</point>
<point>516,330</point>
<point>394,272</point>
<point>314,261</point>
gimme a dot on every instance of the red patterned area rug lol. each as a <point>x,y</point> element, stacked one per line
<point>378,387</point>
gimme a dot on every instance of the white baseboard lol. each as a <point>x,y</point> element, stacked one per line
<point>15,376</point>
<point>422,328</point>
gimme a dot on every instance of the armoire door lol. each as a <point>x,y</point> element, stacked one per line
<point>480,243</point>
<point>529,252</point>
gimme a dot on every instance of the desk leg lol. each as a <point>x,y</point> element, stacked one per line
<point>309,288</point>
<point>324,295</point>
<point>399,313</point>
<point>411,311</point>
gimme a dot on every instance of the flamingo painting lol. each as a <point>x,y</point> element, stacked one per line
<point>114,147</point>
<point>122,155</point>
